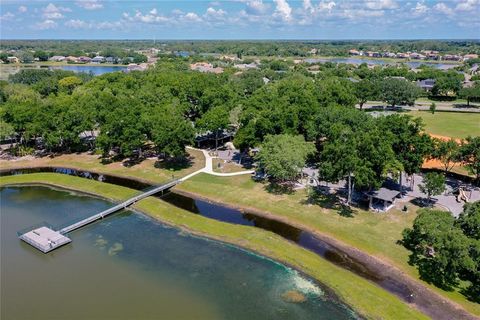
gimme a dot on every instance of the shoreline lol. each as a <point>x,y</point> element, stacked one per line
<point>384,268</point>
<point>267,246</point>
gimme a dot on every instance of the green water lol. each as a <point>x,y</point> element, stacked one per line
<point>130,267</point>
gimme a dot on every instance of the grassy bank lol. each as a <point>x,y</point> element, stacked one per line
<point>450,124</point>
<point>363,296</point>
<point>375,234</point>
<point>148,170</point>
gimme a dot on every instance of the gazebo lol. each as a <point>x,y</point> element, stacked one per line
<point>382,199</point>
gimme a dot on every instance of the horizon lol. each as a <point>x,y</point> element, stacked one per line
<point>240,20</point>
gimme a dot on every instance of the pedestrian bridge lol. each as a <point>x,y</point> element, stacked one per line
<point>46,239</point>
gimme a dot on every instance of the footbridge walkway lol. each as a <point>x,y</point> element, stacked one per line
<point>45,239</point>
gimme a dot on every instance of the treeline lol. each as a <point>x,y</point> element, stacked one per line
<point>123,115</point>
<point>277,48</point>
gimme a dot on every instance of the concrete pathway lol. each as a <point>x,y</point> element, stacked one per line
<point>209,167</point>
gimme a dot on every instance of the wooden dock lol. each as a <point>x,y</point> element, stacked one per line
<point>45,239</point>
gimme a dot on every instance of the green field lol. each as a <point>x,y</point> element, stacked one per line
<point>365,297</point>
<point>450,124</point>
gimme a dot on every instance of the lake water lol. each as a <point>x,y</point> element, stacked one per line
<point>96,70</point>
<point>357,61</point>
<point>129,266</point>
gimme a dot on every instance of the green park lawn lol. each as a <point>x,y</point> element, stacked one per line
<point>148,170</point>
<point>366,298</point>
<point>450,124</point>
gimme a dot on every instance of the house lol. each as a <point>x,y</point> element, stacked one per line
<point>353,52</point>
<point>426,85</point>
<point>13,59</point>
<point>470,56</point>
<point>136,67</point>
<point>451,57</point>
<point>109,60</point>
<point>57,58</point>
<point>71,59</point>
<point>402,55</point>
<point>417,56</point>
<point>246,66</point>
<point>205,67</point>
<point>389,55</point>
<point>382,199</point>
<point>98,59</point>
<point>84,59</point>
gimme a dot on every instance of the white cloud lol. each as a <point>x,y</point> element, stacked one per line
<point>89,4</point>
<point>468,5</point>
<point>8,16</point>
<point>360,13</point>
<point>212,14</point>
<point>283,10</point>
<point>256,7</point>
<point>51,11</point>
<point>192,17</point>
<point>443,8</point>
<point>381,4</point>
<point>22,9</point>
<point>46,25</point>
<point>308,7</point>
<point>419,9</point>
<point>77,24</point>
<point>326,6</point>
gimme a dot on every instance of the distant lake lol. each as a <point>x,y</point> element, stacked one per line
<point>357,61</point>
<point>96,70</point>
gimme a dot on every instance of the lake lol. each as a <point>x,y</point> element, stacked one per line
<point>8,69</point>
<point>96,70</point>
<point>129,266</point>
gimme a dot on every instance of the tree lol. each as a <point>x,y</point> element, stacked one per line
<point>448,83</point>
<point>433,107</point>
<point>447,152</point>
<point>396,91</point>
<point>470,155</point>
<point>215,120</point>
<point>283,156</point>
<point>68,84</point>
<point>122,131</point>
<point>6,130</point>
<point>470,93</point>
<point>170,132</point>
<point>433,184</point>
<point>439,248</point>
<point>469,220</point>
<point>365,90</point>
<point>410,145</point>
<point>41,55</point>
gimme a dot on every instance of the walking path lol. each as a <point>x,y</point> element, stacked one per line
<point>209,167</point>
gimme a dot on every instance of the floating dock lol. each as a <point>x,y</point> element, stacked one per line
<point>46,239</point>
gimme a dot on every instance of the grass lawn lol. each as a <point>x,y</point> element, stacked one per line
<point>225,167</point>
<point>146,170</point>
<point>450,124</point>
<point>376,234</point>
<point>366,298</point>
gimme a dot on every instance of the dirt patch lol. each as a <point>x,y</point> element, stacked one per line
<point>293,296</point>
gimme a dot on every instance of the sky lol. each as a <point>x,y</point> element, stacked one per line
<point>240,19</point>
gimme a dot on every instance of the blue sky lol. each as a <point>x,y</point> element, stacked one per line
<point>240,19</point>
